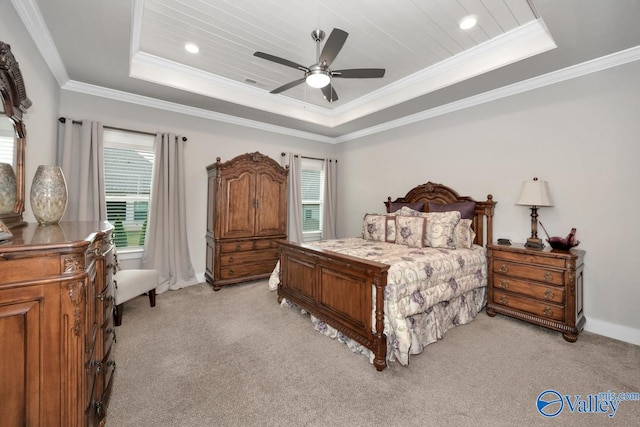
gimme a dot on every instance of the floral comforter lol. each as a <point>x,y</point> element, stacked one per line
<point>418,280</point>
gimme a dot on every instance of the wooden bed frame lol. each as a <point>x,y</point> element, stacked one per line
<point>337,289</point>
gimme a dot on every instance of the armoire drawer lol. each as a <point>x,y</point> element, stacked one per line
<point>239,258</point>
<point>242,270</point>
<point>246,245</point>
<point>535,290</point>
<point>535,307</point>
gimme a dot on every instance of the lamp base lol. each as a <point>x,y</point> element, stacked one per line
<point>534,243</point>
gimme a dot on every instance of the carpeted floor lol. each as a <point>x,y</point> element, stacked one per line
<point>236,358</point>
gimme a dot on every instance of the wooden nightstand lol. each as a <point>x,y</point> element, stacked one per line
<point>540,286</point>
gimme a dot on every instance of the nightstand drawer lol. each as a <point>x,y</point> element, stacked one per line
<point>538,308</point>
<point>532,272</point>
<point>541,259</point>
<point>531,289</point>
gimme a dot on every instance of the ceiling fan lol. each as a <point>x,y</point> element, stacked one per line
<point>319,75</point>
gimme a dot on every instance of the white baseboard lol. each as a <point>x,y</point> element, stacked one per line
<point>612,330</point>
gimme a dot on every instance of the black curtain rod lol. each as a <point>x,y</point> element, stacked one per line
<point>76,122</point>
<point>307,157</point>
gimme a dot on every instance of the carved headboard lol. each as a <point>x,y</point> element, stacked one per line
<point>482,221</point>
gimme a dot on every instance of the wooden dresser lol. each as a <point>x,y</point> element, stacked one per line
<point>540,286</point>
<point>246,216</point>
<point>56,325</point>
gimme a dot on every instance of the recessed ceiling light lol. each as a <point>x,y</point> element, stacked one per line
<point>191,47</point>
<point>468,22</point>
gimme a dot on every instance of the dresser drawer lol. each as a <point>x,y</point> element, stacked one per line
<point>239,258</point>
<point>532,272</point>
<point>521,303</point>
<point>528,258</point>
<point>530,289</point>
<point>246,245</point>
<point>245,270</point>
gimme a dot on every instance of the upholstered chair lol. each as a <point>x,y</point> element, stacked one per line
<point>131,283</point>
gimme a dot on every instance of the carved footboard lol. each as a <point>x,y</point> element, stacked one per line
<point>337,289</point>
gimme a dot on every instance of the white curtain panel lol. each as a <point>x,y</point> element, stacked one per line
<point>166,245</point>
<point>294,199</point>
<point>330,199</point>
<point>80,155</point>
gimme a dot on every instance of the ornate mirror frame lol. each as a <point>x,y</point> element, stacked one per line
<point>15,102</point>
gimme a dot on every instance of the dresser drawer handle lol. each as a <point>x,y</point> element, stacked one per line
<point>504,284</point>
<point>230,259</point>
<point>101,297</point>
<point>504,300</point>
<point>548,294</point>
<point>504,268</point>
<point>548,276</point>
<point>547,311</point>
<point>231,273</point>
<point>238,247</point>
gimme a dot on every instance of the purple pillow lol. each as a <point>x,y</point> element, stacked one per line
<point>466,209</point>
<point>394,206</point>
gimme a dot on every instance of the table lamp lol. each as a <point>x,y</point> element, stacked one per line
<point>534,193</point>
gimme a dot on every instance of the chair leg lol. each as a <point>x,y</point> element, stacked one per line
<point>117,314</point>
<point>152,297</point>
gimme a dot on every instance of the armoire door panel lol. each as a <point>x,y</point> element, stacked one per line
<point>238,211</point>
<point>271,215</point>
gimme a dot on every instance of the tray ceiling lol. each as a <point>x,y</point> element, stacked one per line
<point>134,51</point>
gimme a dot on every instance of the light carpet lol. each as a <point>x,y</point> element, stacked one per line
<point>236,358</point>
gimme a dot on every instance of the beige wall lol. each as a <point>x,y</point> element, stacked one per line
<point>580,135</point>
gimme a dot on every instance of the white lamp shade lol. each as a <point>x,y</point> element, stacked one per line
<point>535,193</point>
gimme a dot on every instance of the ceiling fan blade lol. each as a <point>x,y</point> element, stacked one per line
<point>333,45</point>
<point>329,93</point>
<point>282,61</point>
<point>288,86</point>
<point>359,73</point>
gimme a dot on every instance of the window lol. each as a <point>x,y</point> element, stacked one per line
<point>7,138</point>
<point>312,177</point>
<point>128,168</point>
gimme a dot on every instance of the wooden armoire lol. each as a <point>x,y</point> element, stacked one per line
<point>246,216</point>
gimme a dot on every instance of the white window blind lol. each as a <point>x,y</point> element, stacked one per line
<point>312,178</point>
<point>128,167</point>
<point>7,143</point>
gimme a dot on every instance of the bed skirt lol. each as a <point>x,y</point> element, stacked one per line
<point>425,328</point>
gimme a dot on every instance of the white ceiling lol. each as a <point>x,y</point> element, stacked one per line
<point>134,51</point>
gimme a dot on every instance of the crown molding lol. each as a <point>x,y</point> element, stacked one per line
<point>32,19</point>
<point>117,95</point>
<point>572,72</point>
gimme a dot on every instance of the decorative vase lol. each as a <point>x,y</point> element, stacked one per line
<point>7,188</point>
<point>48,194</point>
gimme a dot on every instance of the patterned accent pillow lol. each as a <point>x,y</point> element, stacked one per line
<point>440,226</point>
<point>406,211</point>
<point>463,234</point>
<point>410,231</point>
<point>374,227</point>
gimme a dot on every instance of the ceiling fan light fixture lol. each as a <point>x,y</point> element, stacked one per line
<point>318,78</point>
